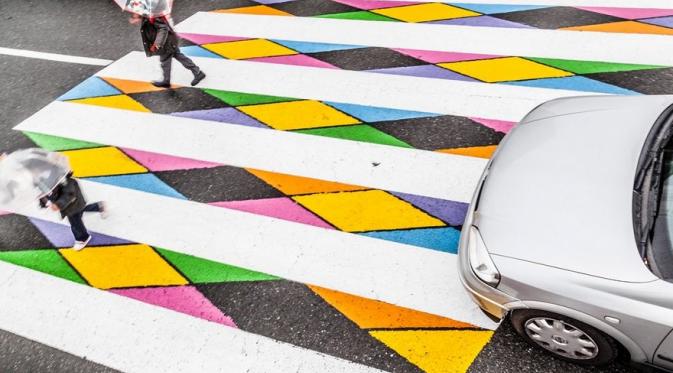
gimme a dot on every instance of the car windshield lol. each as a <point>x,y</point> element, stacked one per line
<point>661,253</point>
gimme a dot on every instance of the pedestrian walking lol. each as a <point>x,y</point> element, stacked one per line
<point>160,39</point>
<point>36,174</point>
<point>67,198</point>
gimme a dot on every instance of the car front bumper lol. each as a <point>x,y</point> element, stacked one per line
<point>490,299</point>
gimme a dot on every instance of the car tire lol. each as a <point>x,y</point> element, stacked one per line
<point>564,337</point>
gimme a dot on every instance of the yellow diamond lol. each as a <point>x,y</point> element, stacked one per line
<point>107,267</point>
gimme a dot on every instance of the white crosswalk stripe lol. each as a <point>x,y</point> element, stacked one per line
<point>132,336</point>
<point>397,169</point>
<point>572,45</point>
<point>441,96</point>
<point>405,275</point>
<point>640,4</point>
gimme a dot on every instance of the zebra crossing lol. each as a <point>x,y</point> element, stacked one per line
<point>564,44</point>
<point>344,217</point>
<point>645,4</point>
<point>354,87</point>
<point>377,269</point>
<point>133,336</point>
<point>320,158</point>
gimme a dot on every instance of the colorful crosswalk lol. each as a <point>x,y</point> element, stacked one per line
<point>636,48</point>
<point>552,16</point>
<point>300,209</point>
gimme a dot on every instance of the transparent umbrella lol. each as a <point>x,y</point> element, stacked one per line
<point>29,174</point>
<point>147,8</point>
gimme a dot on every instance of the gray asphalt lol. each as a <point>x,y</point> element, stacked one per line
<point>79,27</point>
<point>84,28</point>
<point>98,29</point>
<point>509,353</point>
<point>21,355</point>
<point>27,86</point>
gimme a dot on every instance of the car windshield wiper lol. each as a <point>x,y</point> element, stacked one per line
<point>648,177</point>
<point>645,204</point>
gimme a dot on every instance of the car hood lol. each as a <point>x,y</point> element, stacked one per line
<point>559,188</point>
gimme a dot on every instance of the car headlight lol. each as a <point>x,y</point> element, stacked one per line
<point>480,259</point>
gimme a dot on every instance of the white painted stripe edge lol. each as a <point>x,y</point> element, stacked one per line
<point>408,276</point>
<point>564,44</point>
<point>481,100</point>
<point>453,177</point>
<point>54,57</point>
<point>640,4</point>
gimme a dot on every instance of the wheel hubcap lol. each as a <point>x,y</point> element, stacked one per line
<point>561,338</point>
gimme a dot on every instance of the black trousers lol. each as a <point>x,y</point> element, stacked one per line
<point>166,60</point>
<point>77,225</point>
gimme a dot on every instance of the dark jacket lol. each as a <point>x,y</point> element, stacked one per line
<point>158,32</point>
<point>67,196</point>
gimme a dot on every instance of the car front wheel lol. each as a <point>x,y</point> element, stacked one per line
<point>566,338</point>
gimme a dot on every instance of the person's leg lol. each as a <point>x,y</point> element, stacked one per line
<point>78,228</point>
<point>100,207</point>
<point>187,62</point>
<point>191,66</point>
<point>93,207</point>
<point>166,62</point>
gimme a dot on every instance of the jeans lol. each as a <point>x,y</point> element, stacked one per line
<point>167,60</point>
<point>77,225</point>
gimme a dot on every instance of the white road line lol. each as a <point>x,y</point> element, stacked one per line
<point>491,101</point>
<point>574,45</point>
<point>54,57</point>
<point>408,276</point>
<point>132,336</point>
<point>640,4</point>
<point>451,177</point>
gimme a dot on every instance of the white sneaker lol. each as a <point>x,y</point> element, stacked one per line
<point>79,245</point>
<point>104,213</point>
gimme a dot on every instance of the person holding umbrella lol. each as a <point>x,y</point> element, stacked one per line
<point>67,198</point>
<point>29,174</point>
<point>158,37</point>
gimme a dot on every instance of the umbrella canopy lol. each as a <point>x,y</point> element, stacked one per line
<point>29,174</point>
<point>147,8</point>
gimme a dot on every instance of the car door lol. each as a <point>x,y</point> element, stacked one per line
<point>664,355</point>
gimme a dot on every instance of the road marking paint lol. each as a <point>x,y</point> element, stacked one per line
<point>572,45</point>
<point>640,4</point>
<point>407,276</point>
<point>503,102</point>
<point>435,350</point>
<point>447,176</point>
<point>133,336</point>
<point>54,57</point>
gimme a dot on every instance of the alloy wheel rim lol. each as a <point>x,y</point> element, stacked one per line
<point>561,338</point>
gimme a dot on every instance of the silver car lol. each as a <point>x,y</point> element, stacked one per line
<point>569,232</point>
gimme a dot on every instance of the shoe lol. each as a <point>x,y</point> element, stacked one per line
<point>104,213</point>
<point>198,77</point>
<point>79,245</point>
<point>161,84</point>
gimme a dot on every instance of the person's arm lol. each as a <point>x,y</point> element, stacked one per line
<point>48,199</point>
<point>162,33</point>
<point>51,200</point>
<point>66,196</point>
